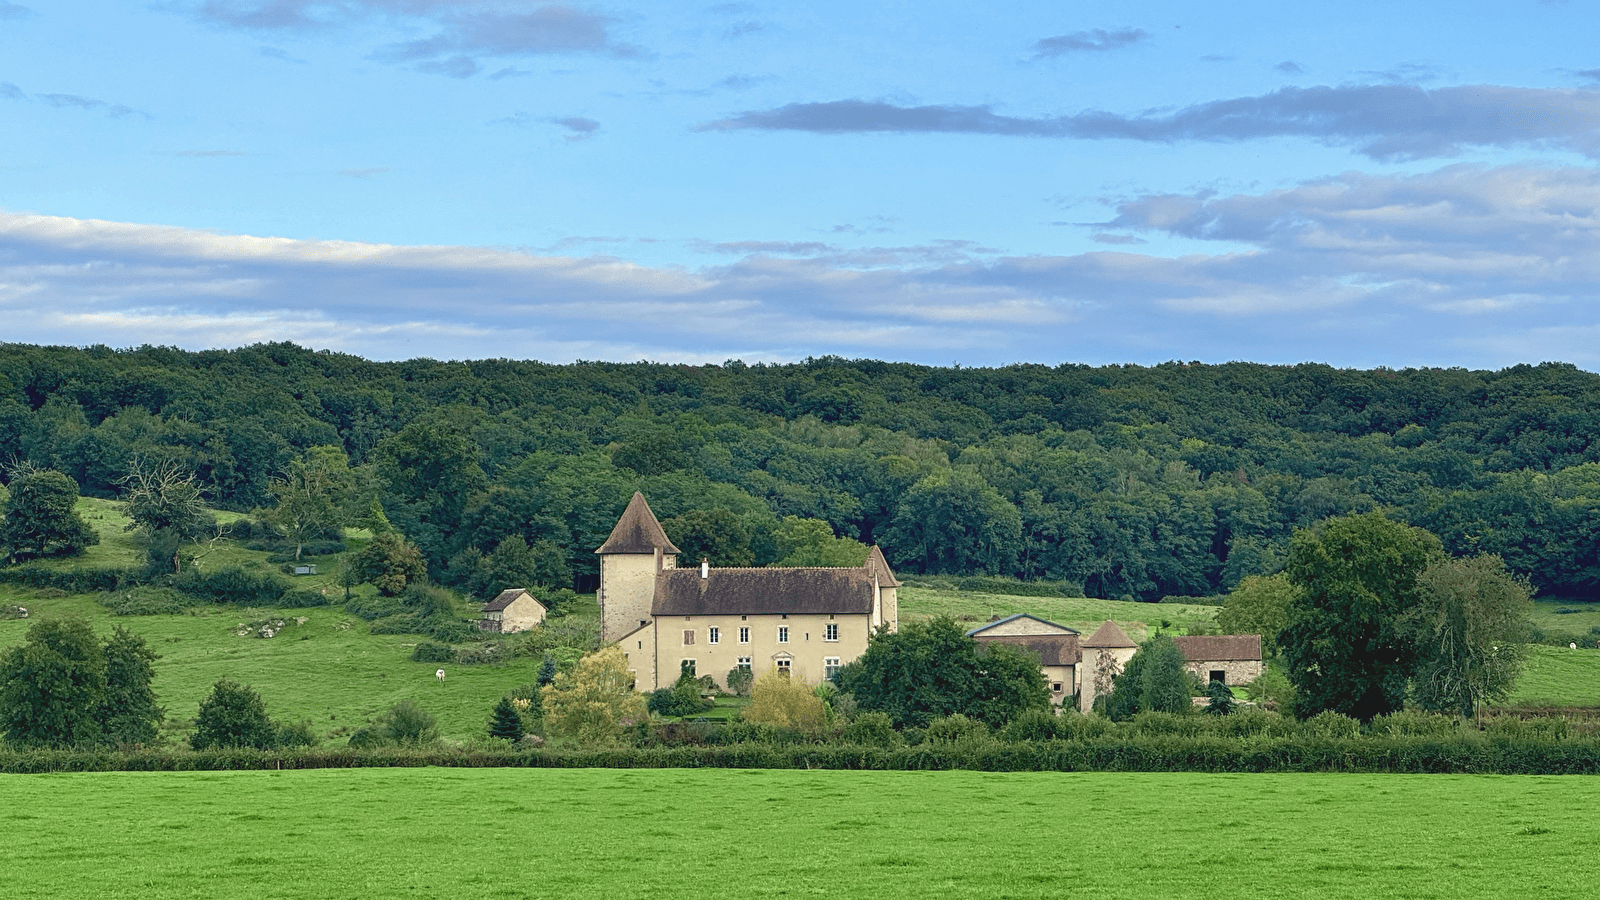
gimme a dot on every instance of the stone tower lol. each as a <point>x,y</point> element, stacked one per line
<point>1109,645</point>
<point>629,561</point>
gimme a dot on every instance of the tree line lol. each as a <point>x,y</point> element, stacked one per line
<point>1132,482</point>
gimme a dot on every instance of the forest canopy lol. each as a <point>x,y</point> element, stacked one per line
<point>1131,481</point>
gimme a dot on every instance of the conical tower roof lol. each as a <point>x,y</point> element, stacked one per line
<point>1109,634</point>
<point>876,564</point>
<point>637,531</point>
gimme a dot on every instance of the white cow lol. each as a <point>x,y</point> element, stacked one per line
<point>439,675</point>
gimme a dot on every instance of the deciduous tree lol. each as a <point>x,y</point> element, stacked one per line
<point>52,685</point>
<point>594,702</point>
<point>232,716</point>
<point>1470,626</point>
<point>40,516</point>
<point>313,496</point>
<point>388,563</point>
<point>1347,647</point>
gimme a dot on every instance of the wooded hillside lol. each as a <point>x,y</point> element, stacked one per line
<point>1177,479</point>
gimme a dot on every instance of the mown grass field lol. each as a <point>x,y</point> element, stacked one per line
<point>514,833</point>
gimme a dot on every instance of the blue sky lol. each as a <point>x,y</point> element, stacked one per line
<point>1356,183</point>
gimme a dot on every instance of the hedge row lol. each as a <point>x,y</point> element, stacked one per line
<point>72,581</point>
<point>1156,755</point>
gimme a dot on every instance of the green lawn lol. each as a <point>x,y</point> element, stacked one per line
<point>1085,614</point>
<point>607,834</point>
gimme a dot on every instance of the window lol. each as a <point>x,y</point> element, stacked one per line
<point>783,634</point>
<point>830,667</point>
<point>830,631</point>
<point>713,635</point>
<point>1055,687</point>
<point>744,634</point>
<point>1219,675</point>
<point>686,668</point>
<point>688,636</point>
<point>744,663</point>
<point>783,667</point>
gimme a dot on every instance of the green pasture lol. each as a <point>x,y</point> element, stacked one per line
<point>1557,676</point>
<point>1085,614</point>
<point>598,833</point>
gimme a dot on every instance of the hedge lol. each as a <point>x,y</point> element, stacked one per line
<point>72,581</point>
<point>1163,754</point>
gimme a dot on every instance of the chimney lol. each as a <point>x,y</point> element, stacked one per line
<point>705,568</point>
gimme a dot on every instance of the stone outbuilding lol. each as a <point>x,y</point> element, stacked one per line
<point>514,610</point>
<point>1233,659</point>
<point>1056,647</point>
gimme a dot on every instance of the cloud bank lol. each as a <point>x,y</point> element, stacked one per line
<point>1466,265</point>
<point>1384,122</point>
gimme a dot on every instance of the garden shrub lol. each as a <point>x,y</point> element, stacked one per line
<point>872,729</point>
<point>1415,723</point>
<point>430,652</point>
<point>1032,725</point>
<point>1156,723</point>
<point>1330,724</point>
<point>956,729</point>
<point>293,736</point>
<point>1072,725</point>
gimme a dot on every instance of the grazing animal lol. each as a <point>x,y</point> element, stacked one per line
<point>439,675</point>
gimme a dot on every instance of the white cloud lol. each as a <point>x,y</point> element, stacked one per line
<point>1462,266</point>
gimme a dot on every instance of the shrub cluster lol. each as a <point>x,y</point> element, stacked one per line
<point>232,585</point>
<point>72,581</point>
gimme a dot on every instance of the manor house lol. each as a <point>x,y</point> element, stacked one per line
<point>805,622</point>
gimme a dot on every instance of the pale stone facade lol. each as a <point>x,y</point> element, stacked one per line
<point>1055,646</point>
<point>1234,657</point>
<point>514,610</point>
<point>806,621</point>
<point>1106,651</point>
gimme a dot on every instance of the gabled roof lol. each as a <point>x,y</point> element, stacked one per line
<point>637,531</point>
<point>507,598</point>
<point>756,592</point>
<point>1203,648</point>
<point>877,565</point>
<point>1109,634</point>
<point>1051,649</point>
<point>978,632</point>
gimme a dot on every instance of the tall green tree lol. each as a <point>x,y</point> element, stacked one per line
<point>313,494</point>
<point>388,563</point>
<point>128,713</point>
<point>930,669</point>
<point>1259,605</point>
<point>1470,625</point>
<point>714,534</point>
<point>1155,680</point>
<point>233,716</point>
<point>811,542</point>
<point>954,522</point>
<point>41,518</point>
<point>1347,647</point>
<point>52,685</point>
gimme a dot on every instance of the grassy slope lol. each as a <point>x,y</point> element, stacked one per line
<point>1085,614</point>
<point>512,833</point>
<point>329,671</point>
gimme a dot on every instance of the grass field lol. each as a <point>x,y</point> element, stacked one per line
<point>1557,676</point>
<point>513,833</point>
<point>1085,614</point>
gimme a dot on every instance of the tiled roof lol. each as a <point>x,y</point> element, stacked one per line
<point>1109,635</point>
<point>1052,649</point>
<point>682,592</point>
<point>637,531</point>
<point>876,564</point>
<point>507,598</point>
<point>1201,648</point>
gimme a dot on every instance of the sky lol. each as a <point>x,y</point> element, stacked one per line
<point>1355,183</point>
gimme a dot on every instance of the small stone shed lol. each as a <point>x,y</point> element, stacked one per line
<point>514,610</point>
<point>1232,659</point>
<point>1056,647</point>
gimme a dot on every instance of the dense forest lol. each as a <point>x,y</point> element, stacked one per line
<point>1142,482</point>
